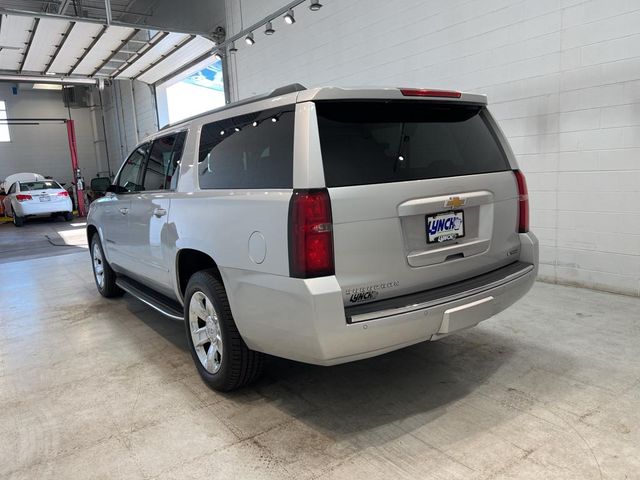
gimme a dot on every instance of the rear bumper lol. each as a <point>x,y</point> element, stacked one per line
<point>43,208</point>
<point>305,320</point>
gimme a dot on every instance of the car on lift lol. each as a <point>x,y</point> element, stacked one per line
<point>323,225</point>
<point>35,196</point>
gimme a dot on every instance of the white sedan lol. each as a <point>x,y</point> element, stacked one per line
<point>37,197</point>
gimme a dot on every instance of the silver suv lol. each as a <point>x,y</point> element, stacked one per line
<point>323,225</point>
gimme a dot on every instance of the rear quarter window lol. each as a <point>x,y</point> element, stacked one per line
<point>248,151</point>
<point>382,142</point>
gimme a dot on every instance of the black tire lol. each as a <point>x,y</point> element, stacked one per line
<point>68,216</point>
<point>17,220</point>
<point>108,289</point>
<point>239,366</point>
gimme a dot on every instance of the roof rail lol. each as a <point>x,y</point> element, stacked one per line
<point>292,88</point>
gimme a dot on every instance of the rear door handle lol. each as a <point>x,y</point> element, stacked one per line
<point>159,212</point>
<point>124,210</point>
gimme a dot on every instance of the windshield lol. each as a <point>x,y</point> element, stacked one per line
<point>26,186</point>
<point>381,142</point>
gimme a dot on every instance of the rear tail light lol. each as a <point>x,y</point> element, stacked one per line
<point>22,197</point>
<point>523,202</point>
<point>423,92</point>
<point>310,234</point>
<point>63,194</point>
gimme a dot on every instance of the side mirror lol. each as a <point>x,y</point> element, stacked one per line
<point>115,189</point>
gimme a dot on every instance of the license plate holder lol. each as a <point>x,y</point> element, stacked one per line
<point>444,226</point>
<point>45,198</point>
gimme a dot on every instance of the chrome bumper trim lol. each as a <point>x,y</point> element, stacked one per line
<point>451,298</point>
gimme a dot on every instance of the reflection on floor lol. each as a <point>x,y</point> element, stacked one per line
<point>41,237</point>
<point>97,388</point>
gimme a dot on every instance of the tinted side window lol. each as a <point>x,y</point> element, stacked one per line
<point>13,188</point>
<point>161,163</point>
<point>130,173</point>
<point>249,151</point>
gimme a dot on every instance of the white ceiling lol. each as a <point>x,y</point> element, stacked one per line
<point>88,45</point>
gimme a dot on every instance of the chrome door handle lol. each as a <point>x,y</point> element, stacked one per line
<point>159,212</point>
<point>124,210</point>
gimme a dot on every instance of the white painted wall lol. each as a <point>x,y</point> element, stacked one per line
<point>44,148</point>
<point>562,76</point>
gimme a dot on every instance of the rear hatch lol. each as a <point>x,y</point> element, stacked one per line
<point>422,195</point>
<point>43,192</point>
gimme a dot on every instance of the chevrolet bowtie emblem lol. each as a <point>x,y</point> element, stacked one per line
<point>455,202</point>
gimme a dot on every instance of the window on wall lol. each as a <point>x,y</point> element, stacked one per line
<point>4,128</point>
<point>191,93</point>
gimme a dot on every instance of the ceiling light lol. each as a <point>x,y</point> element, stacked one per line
<point>315,5</point>
<point>237,129</point>
<point>49,73</point>
<point>233,48</point>
<point>255,124</point>
<point>218,56</point>
<point>249,39</point>
<point>274,119</point>
<point>289,18</point>
<point>47,86</point>
<point>268,29</point>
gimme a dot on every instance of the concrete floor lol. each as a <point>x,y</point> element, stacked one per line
<point>95,388</point>
<point>41,237</point>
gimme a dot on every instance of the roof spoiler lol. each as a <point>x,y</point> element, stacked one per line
<point>292,88</point>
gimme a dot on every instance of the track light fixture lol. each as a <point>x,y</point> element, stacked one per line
<point>268,29</point>
<point>232,48</point>
<point>315,5</point>
<point>249,39</point>
<point>289,18</point>
<point>218,56</point>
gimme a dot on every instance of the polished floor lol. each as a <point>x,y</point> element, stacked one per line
<point>95,388</point>
<point>41,237</point>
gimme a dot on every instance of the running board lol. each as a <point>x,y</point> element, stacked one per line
<point>166,306</point>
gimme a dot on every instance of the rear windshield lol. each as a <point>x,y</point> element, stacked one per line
<point>382,142</point>
<point>26,186</point>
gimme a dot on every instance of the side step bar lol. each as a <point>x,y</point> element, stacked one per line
<point>166,306</point>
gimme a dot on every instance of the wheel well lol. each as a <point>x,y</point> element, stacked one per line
<point>192,261</point>
<point>91,231</point>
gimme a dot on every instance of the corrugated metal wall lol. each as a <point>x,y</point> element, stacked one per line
<point>130,115</point>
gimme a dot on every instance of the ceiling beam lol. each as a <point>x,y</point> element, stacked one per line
<point>63,6</point>
<point>65,36</point>
<point>107,11</point>
<point>115,52</point>
<point>36,21</point>
<point>135,57</point>
<point>117,23</point>
<point>13,77</point>
<point>163,57</point>
<point>96,39</point>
